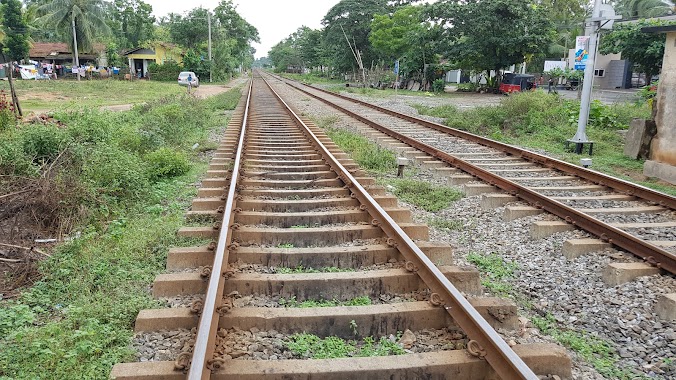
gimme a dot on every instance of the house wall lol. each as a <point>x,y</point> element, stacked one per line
<point>160,55</point>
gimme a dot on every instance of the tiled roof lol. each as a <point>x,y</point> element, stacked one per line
<point>45,49</point>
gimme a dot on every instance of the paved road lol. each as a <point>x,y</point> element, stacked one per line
<point>606,96</point>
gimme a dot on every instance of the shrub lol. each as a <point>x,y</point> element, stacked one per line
<point>7,116</point>
<point>167,71</point>
<point>43,142</point>
<point>166,163</point>
<point>438,85</point>
<point>114,172</point>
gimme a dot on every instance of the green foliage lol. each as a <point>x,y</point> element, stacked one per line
<point>43,143</point>
<point>15,43</point>
<point>14,316</point>
<point>496,269</point>
<point>7,116</point>
<point>440,222</point>
<point>131,22</point>
<point>596,351</point>
<point>168,71</point>
<point>311,346</point>
<point>643,49</point>
<point>166,163</point>
<point>467,87</point>
<point>490,35</point>
<point>648,93</point>
<point>115,173</point>
<point>425,195</point>
<point>292,302</point>
<point>438,85</point>
<point>367,154</point>
<point>90,21</point>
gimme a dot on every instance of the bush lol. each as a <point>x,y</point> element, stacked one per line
<point>114,172</point>
<point>7,116</point>
<point>466,87</point>
<point>166,163</point>
<point>43,143</point>
<point>438,85</point>
<point>166,72</point>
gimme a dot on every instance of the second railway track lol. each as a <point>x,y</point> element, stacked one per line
<point>281,201</point>
<point>637,219</point>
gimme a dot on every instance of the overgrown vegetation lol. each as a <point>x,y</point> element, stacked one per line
<point>76,320</point>
<point>368,155</point>
<point>543,121</point>
<point>311,346</point>
<point>496,270</point>
<point>594,350</point>
<point>441,222</point>
<point>425,195</point>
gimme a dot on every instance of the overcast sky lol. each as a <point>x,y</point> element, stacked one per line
<point>274,19</point>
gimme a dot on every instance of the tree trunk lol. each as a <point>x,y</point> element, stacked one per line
<point>15,99</point>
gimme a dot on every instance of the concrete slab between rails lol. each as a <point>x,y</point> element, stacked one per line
<point>372,320</point>
<point>340,257</point>
<point>314,218</point>
<point>319,236</point>
<point>472,189</point>
<point>516,212</point>
<point>572,189</point>
<point>609,197</point>
<point>666,307</point>
<point>492,201</point>
<point>299,184</point>
<point>543,359</point>
<point>562,178</point>
<point>299,205</point>
<point>460,179</point>
<point>340,286</point>
<point>544,228</point>
<point>618,273</point>
<point>624,210</point>
<point>575,248</point>
<point>447,171</point>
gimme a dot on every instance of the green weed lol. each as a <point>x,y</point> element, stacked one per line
<point>292,302</point>
<point>496,271</point>
<point>367,154</point>
<point>311,346</point>
<point>425,195</point>
<point>596,351</point>
<point>439,222</point>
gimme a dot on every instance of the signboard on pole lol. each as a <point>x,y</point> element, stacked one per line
<point>581,52</point>
<point>396,67</point>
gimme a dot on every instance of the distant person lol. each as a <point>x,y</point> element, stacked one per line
<point>542,80</point>
<point>551,87</point>
<point>189,83</point>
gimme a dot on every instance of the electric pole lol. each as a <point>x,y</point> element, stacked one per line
<point>211,63</point>
<point>77,58</point>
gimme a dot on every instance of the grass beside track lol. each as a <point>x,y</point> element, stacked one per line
<point>76,322</point>
<point>543,122</point>
<point>69,94</point>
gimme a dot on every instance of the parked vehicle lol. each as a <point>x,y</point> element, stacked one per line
<point>183,79</point>
<point>517,83</point>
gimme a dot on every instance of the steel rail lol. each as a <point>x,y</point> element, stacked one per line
<point>652,254</point>
<point>486,343</point>
<point>202,358</point>
<point>618,184</point>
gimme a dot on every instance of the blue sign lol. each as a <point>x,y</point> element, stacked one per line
<point>396,67</point>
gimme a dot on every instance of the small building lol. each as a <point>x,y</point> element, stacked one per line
<point>59,54</point>
<point>159,52</point>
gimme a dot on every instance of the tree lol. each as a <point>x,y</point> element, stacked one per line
<point>632,9</point>
<point>646,50</point>
<point>89,17</point>
<point>131,22</point>
<point>490,35</point>
<point>16,41</point>
<point>190,31</point>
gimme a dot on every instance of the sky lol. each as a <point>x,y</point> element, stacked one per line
<point>274,19</point>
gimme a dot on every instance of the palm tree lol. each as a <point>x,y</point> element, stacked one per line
<point>646,8</point>
<point>88,16</point>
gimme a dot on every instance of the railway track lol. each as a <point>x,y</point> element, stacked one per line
<point>294,220</point>
<point>634,218</point>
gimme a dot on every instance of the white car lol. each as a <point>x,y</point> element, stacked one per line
<point>183,79</point>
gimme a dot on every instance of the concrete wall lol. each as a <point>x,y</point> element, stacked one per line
<point>664,145</point>
<point>605,63</point>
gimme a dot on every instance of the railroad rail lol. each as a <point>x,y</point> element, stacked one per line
<point>286,182</point>
<point>653,252</point>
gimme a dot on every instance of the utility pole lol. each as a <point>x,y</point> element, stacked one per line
<point>77,58</point>
<point>211,63</point>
